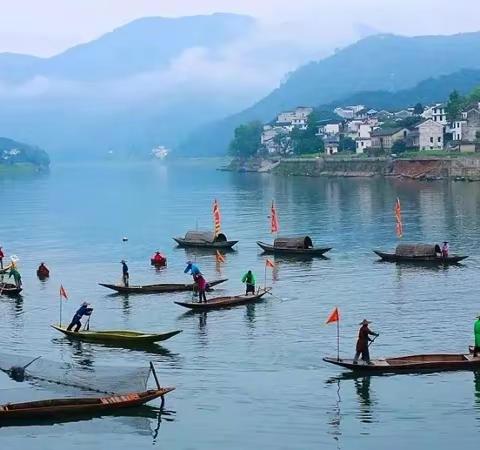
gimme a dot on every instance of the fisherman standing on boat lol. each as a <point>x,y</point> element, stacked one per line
<point>84,310</point>
<point>2,255</point>
<point>249,280</point>
<point>192,268</point>
<point>201,287</point>
<point>125,275</point>
<point>16,276</point>
<point>445,250</point>
<point>363,341</point>
<point>476,330</point>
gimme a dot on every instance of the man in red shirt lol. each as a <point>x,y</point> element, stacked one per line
<point>363,341</point>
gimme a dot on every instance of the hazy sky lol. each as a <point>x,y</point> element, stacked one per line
<point>46,27</point>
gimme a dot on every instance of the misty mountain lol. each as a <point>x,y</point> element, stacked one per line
<point>377,63</point>
<point>144,84</point>
<point>141,46</point>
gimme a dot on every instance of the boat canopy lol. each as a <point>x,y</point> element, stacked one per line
<point>416,250</point>
<point>204,236</point>
<point>293,242</point>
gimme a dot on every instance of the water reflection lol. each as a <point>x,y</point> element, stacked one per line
<point>476,382</point>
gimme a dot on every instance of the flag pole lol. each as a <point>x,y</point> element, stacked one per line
<point>60,309</point>
<point>338,339</point>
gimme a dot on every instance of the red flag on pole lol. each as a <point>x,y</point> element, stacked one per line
<point>63,293</point>
<point>334,316</point>
<point>216,218</point>
<point>398,219</point>
<point>270,263</point>
<point>274,219</point>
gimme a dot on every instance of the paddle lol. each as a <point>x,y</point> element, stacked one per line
<point>87,325</point>
<point>373,340</point>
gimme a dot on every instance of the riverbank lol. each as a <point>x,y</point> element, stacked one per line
<point>418,167</point>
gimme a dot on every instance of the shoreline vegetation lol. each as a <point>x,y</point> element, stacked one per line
<point>19,158</point>
<point>428,166</point>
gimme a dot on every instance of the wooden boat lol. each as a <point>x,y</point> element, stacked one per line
<point>419,253</point>
<point>205,239</point>
<point>224,302</point>
<point>301,245</point>
<point>117,336</point>
<point>414,363</point>
<point>9,289</point>
<point>47,409</point>
<point>157,288</point>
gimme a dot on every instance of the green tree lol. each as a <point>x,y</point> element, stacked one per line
<point>474,96</point>
<point>418,109</point>
<point>283,142</point>
<point>399,146</point>
<point>455,104</point>
<point>307,141</point>
<point>346,144</point>
<point>246,140</point>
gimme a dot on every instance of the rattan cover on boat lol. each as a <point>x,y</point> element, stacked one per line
<point>204,236</point>
<point>415,250</point>
<point>293,242</point>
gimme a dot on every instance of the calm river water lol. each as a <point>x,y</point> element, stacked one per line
<point>249,377</point>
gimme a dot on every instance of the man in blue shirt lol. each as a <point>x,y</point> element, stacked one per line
<point>84,310</point>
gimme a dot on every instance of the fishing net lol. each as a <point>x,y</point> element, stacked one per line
<point>41,371</point>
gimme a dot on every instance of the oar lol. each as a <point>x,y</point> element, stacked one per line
<point>87,325</point>
<point>373,340</point>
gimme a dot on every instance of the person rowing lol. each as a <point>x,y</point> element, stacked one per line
<point>84,310</point>
<point>476,332</point>
<point>125,275</point>
<point>249,280</point>
<point>43,271</point>
<point>16,276</point>
<point>363,342</point>
<point>201,287</point>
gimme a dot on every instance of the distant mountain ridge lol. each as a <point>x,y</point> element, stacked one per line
<point>377,63</point>
<point>13,152</point>
<point>142,45</point>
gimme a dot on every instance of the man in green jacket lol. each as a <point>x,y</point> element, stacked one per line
<point>16,276</point>
<point>476,330</point>
<point>249,280</point>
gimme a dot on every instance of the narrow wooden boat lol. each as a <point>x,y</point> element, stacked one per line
<point>157,288</point>
<point>59,408</point>
<point>9,289</point>
<point>117,336</point>
<point>224,302</point>
<point>413,363</point>
<point>205,239</point>
<point>301,245</point>
<point>419,253</point>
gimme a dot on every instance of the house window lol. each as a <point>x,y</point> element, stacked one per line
<point>439,139</point>
<point>362,143</point>
<point>431,140</point>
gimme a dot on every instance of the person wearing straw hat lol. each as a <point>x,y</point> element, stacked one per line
<point>476,330</point>
<point>362,343</point>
